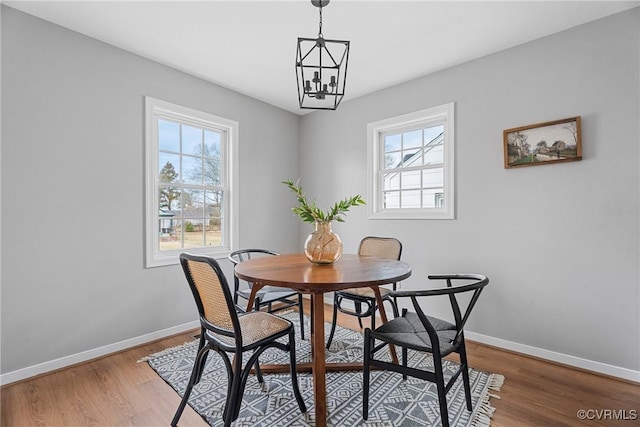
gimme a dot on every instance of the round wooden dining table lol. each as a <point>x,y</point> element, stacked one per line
<point>296,272</point>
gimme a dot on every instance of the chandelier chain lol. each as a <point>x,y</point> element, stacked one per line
<point>320,25</point>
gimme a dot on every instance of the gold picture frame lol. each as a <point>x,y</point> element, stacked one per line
<point>545,143</point>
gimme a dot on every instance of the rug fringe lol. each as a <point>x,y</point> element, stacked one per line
<point>165,351</point>
<point>496,381</point>
<point>485,410</point>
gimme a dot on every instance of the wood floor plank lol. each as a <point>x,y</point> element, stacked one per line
<point>117,391</point>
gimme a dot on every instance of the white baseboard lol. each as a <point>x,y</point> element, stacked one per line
<point>552,356</point>
<point>63,362</point>
<point>565,359</point>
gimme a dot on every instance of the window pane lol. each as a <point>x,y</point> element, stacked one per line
<point>212,147</point>
<point>193,202</point>
<point>392,200</point>
<point>194,222</point>
<point>392,143</point>
<point>392,160</point>
<point>193,236</point>
<point>433,154</point>
<point>213,213</point>
<point>412,139</point>
<point>391,181</point>
<point>213,203</point>
<point>410,179</point>
<point>169,198</point>
<point>169,167</point>
<point>191,140</point>
<point>212,171</point>
<point>433,177</point>
<point>410,158</point>
<point>170,234</point>
<point>168,136</point>
<point>433,198</point>
<point>192,170</point>
<point>432,133</point>
<point>411,199</point>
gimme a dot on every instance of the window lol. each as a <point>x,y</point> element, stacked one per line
<point>411,165</point>
<point>190,177</point>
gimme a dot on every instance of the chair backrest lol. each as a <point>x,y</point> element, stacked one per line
<point>241,255</point>
<point>236,257</point>
<point>478,282</point>
<point>381,247</point>
<point>211,293</point>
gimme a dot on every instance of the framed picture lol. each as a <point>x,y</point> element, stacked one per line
<point>543,143</point>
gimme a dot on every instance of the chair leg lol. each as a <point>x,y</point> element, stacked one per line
<point>404,361</point>
<point>301,314</point>
<point>201,344</point>
<point>195,372</point>
<point>233,400</point>
<point>244,376</point>
<point>259,376</point>
<point>229,369</point>
<point>333,321</point>
<point>294,373</point>
<point>359,310</point>
<point>365,374</point>
<point>465,374</point>
<point>442,392</point>
<point>311,314</point>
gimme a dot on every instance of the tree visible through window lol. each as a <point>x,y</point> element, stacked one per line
<point>191,153</point>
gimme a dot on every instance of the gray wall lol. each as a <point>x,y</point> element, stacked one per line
<point>72,190</point>
<point>559,242</point>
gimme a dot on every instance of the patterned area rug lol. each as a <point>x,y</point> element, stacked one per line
<point>393,402</point>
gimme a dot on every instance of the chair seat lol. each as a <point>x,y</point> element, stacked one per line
<point>409,332</point>
<point>365,292</point>
<point>256,326</point>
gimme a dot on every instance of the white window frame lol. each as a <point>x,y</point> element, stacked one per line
<point>155,109</point>
<point>442,114</point>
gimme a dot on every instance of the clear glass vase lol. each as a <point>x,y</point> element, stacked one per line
<point>323,246</point>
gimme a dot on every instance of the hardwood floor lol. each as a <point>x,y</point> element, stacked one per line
<point>118,391</point>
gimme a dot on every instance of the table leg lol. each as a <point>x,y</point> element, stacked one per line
<point>252,296</point>
<point>318,359</point>
<point>383,316</point>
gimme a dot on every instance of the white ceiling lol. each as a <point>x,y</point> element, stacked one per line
<point>249,46</point>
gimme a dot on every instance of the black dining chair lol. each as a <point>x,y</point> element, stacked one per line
<point>419,332</point>
<point>269,295</point>
<point>224,330</point>
<point>380,247</point>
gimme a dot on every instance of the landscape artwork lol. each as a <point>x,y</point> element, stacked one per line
<point>543,143</point>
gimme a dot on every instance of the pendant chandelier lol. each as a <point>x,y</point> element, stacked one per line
<point>321,69</point>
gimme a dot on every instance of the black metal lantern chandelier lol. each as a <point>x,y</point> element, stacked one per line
<point>321,69</point>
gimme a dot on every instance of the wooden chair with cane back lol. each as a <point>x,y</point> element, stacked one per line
<point>380,247</point>
<point>224,330</point>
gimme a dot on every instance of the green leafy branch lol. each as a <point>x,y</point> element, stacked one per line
<point>311,213</point>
